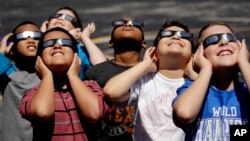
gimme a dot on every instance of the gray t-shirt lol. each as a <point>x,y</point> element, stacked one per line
<point>14,127</point>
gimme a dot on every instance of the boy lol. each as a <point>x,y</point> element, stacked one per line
<point>60,106</point>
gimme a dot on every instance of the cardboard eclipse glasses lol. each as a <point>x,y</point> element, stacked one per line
<point>69,18</point>
<point>135,23</point>
<point>60,41</point>
<point>28,34</point>
<point>181,34</point>
<point>214,39</point>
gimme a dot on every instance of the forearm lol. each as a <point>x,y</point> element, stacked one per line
<point>86,100</point>
<point>117,88</point>
<point>43,102</point>
<point>188,105</point>
<point>244,68</point>
<point>96,56</point>
<point>5,64</point>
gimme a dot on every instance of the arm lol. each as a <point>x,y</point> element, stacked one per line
<point>42,105</point>
<point>86,99</point>
<point>117,87</point>
<point>243,62</point>
<point>189,103</point>
<point>95,54</point>
<point>4,50</point>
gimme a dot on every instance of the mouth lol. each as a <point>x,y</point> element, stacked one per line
<point>57,53</point>
<point>225,52</point>
<point>31,48</point>
<point>174,44</point>
<point>58,24</point>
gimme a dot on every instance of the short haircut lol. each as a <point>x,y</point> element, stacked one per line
<point>170,24</point>
<point>40,44</point>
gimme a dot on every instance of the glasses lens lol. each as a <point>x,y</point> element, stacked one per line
<point>214,39</point>
<point>167,33</point>
<point>137,23</point>
<point>118,23</point>
<point>130,22</point>
<point>228,37</point>
<point>181,34</point>
<point>28,34</point>
<point>52,42</point>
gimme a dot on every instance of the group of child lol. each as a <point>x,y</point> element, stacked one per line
<point>58,85</point>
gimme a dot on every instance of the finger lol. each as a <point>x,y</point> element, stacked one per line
<point>9,47</point>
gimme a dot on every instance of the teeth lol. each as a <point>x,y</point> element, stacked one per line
<point>31,48</point>
<point>174,44</point>
<point>225,53</point>
<point>58,54</point>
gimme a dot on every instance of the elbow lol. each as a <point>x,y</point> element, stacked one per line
<point>184,116</point>
<point>93,116</point>
<point>42,114</point>
<point>110,93</point>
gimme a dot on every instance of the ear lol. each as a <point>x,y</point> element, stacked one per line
<point>144,45</point>
<point>110,44</point>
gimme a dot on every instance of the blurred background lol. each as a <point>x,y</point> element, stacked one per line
<point>194,13</point>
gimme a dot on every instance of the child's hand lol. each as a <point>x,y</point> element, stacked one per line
<point>41,68</point>
<point>243,53</point>
<point>4,48</point>
<point>190,71</point>
<point>75,67</point>
<point>151,59</point>
<point>44,26</point>
<point>88,30</point>
<point>76,33</point>
<point>200,60</point>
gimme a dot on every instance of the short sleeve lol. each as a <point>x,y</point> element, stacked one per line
<point>103,105</point>
<point>25,103</point>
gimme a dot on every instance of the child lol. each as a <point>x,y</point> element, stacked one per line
<point>17,76</point>
<point>68,19</point>
<point>215,99</point>
<point>60,106</point>
<point>127,41</point>
<point>154,89</point>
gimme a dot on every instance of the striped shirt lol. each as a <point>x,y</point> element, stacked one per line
<point>68,125</point>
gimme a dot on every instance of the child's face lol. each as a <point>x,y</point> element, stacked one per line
<point>57,58</point>
<point>128,31</point>
<point>222,53</point>
<point>61,22</point>
<point>174,45</point>
<point>27,47</point>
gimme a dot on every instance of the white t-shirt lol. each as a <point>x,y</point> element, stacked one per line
<point>154,120</point>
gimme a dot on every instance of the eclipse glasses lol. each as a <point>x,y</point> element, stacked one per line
<point>60,41</point>
<point>181,34</point>
<point>214,39</point>
<point>69,18</point>
<point>135,23</point>
<point>28,34</point>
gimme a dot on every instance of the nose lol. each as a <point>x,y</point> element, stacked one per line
<point>128,23</point>
<point>29,39</point>
<point>223,42</point>
<point>56,45</point>
<point>175,36</point>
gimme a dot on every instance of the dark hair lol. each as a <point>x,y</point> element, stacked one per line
<point>78,20</point>
<point>169,24</point>
<point>40,44</point>
<point>15,42</point>
<point>210,25</point>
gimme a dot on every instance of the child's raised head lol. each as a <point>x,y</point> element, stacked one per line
<point>25,37</point>
<point>56,48</point>
<point>65,17</point>
<point>127,32</point>
<point>174,44</point>
<point>220,45</point>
